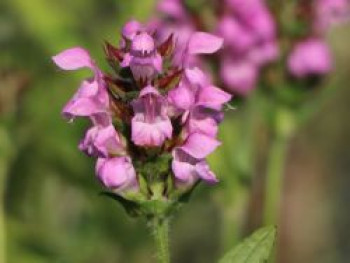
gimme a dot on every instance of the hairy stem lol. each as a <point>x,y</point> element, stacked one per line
<point>161,237</point>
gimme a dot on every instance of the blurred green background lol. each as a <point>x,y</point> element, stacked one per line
<point>50,207</point>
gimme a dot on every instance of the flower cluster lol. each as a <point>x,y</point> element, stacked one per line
<point>249,31</point>
<point>311,55</point>
<point>250,43</point>
<point>153,120</point>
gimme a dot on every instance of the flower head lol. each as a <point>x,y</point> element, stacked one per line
<point>310,57</point>
<point>155,110</point>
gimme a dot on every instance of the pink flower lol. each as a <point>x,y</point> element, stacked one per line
<point>117,174</point>
<point>310,57</point>
<point>212,97</point>
<point>150,124</point>
<point>143,58</point>
<point>189,164</point>
<point>203,120</point>
<point>198,43</point>
<point>182,98</point>
<point>200,145</point>
<point>102,141</point>
<point>196,90</point>
<point>199,101</point>
<point>91,99</point>
<point>204,43</point>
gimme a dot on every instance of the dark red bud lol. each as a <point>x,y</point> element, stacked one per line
<point>171,79</point>
<point>112,52</point>
<point>167,47</point>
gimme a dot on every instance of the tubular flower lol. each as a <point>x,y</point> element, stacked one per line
<point>199,101</point>
<point>142,58</point>
<point>154,110</point>
<point>189,159</point>
<point>91,99</point>
<point>150,124</point>
<point>102,141</point>
<point>117,173</point>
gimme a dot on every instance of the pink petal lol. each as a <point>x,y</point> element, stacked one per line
<point>150,134</point>
<point>196,76</point>
<point>130,29</point>
<point>108,142</point>
<point>126,60</point>
<point>116,173</point>
<point>73,58</point>
<point>182,97</point>
<point>88,88</point>
<point>82,107</point>
<point>203,121</point>
<point>204,43</point>
<point>183,171</point>
<point>183,167</point>
<point>213,97</point>
<point>204,172</point>
<point>149,89</point>
<point>200,145</point>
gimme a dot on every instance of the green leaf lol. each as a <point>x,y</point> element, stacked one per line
<point>254,249</point>
<point>132,208</point>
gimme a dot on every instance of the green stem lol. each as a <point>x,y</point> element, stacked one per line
<point>4,164</point>
<point>2,213</point>
<point>283,128</point>
<point>274,180</point>
<point>161,237</point>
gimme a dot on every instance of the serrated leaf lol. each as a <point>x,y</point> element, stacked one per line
<point>254,249</point>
